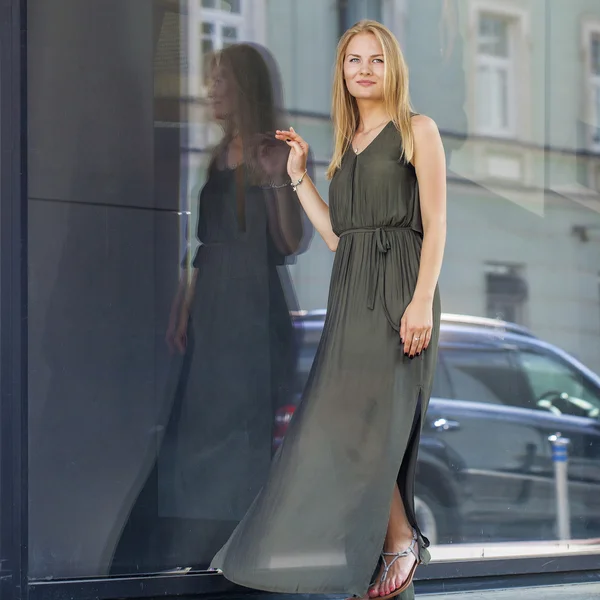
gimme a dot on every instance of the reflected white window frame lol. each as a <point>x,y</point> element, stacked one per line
<point>517,67</point>
<point>591,30</point>
<point>250,23</point>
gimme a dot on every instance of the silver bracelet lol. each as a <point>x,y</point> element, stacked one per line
<point>273,186</point>
<point>295,185</point>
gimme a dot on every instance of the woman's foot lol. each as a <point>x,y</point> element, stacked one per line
<point>399,557</point>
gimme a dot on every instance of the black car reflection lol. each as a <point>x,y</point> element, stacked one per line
<point>485,468</point>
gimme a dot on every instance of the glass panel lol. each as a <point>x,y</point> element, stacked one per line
<point>484,97</point>
<point>208,28</point>
<point>595,53</point>
<point>230,5</point>
<point>596,108</point>
<point>187,323</point>
<point>493,36</point>
<point>229,34</point>
<point>503,99</point>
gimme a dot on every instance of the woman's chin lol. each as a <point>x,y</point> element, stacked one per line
<point>367,94</point>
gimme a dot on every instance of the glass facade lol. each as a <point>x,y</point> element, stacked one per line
<point>175,299</point>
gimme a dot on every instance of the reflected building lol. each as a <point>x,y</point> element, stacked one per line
<point>519,124</point>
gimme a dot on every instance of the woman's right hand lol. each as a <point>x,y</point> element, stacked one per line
<point>297,159</point>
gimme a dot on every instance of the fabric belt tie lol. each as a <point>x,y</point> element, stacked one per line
<point>377,275</point>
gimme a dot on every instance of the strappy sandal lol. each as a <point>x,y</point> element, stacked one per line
<point>395,556</point>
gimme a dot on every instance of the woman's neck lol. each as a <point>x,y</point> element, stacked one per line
<point>371,116</point>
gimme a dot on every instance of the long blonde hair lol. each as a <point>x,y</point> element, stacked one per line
<point>344,109</point>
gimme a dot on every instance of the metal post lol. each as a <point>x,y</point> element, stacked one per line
<point>560,458</point>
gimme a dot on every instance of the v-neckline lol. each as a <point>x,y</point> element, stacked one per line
<point>357,154</point>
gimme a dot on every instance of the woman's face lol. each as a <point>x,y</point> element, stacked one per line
<point>364,67</point>
<point>221,93</point>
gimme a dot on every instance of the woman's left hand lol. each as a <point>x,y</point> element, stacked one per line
<point>415,326</point>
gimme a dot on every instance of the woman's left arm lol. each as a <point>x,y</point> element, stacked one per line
<point>430,166</point>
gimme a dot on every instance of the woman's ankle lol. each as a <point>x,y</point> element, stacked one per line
<point>400,535</point>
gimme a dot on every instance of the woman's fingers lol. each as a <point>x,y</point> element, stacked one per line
<point>427,339</point>
<point>414,344</point>
<point>416,341</point>
<point>296,146</point>
<point>289,134</point>
<point>422,340</point>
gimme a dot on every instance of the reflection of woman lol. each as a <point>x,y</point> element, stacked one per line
<point>234,308</point>
<point>230,321</point>
<point>340,495</point>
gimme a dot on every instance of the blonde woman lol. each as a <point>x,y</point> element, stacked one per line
<point>337,514</point>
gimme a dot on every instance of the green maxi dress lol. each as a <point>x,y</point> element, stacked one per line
<point>319,523</point>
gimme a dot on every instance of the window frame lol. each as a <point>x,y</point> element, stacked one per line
<point>13,301</point>
<point>456,576</point>
<point>518,107</point>
<point>590,28</point>
<point>496,65</point>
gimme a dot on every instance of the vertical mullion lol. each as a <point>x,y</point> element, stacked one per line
<point>13,298</point>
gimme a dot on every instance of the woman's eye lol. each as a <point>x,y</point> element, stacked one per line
<point>378,60</point>
<point>353,59</point>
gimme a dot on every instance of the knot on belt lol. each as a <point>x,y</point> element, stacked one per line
<point>382,244</point>
<point>383,241</point>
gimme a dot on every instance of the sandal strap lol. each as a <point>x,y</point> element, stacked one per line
<point>396,555</point>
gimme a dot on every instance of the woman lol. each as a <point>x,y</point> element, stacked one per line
<point>230,325</point>
<point>340,494</point>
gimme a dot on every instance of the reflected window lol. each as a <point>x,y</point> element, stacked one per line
<point>487,376</point>
<point>495,75</point>
<point>221,26</point>
<point>558,387</point>
<point>506,293</point>
<point>594,86</point>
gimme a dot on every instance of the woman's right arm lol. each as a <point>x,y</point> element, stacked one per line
<point>176,337</point>
<point>314,206</point>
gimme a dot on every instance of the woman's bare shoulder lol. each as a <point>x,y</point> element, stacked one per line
<point>423,125</point>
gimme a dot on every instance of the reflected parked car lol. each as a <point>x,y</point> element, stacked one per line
<point>485,470</point>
